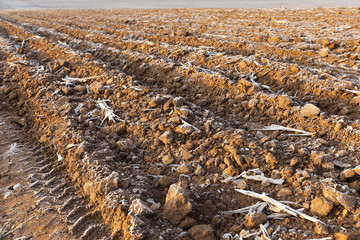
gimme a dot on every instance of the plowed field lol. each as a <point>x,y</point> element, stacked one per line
<point>157,124</point>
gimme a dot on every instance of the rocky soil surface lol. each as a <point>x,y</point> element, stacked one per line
<point>180,124</point>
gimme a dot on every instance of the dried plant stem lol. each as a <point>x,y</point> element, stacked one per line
<point>282,207</point>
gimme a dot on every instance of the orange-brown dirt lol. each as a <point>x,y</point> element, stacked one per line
<point>132,123</point>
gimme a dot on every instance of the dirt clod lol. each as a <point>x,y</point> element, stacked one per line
<point>254,219</point>
<point>321,206</point>
<point>178,204</point>
<point>202,232</point>
<point>310,110</point>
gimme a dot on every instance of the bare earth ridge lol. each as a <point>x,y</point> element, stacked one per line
<point>161,124</point>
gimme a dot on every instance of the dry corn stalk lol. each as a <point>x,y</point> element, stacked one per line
<point>67,78</point>
<point>264,231</point>
<point>109,112</point>
<point>282,207</point>
<point>258,177</point>
<point>275,127</point>
<point>353,91</point>
<point>246,210</point>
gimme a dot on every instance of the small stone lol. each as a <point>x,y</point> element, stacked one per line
<point>186,155</point>
<point>241,184</point>
<point>184,169</point>
<point>347,201</point>
<point>355,101</point>
<point>265,183</point>
<point>294,68</point>
<point>166,138</point>
<point>321,229</point>
<point>242,64</point>
<point>139,207</point>
<point>254,219</point>
<point>178,204</point>
<point>66,90</point>
<point>284,102</point>
<point>184,129</point>
<point>80,88</point>
<point>165,181</point>
<point>284,192</point>
<point>357,170</point>
<point>167,159</point>
<point>328,165</point>
<point>310,110</point>
<point>202,232</point>
<point>216,220</point>
<point>347,173</point>
<point>342,236</point>
<point>200,171</point>
<point>321,206</point>
<point>306,205</point>
<point>187,223</point>
<point>319,158</point>
<point>13,95</point>
<point>294,161</point>
<point>253,102</point>
<point>155,206</point>
<point>97,87</point>
<point>338,126</point>
<point>231,171</point>
<point>178,101</point>
<point>236,228</point>
<point>324,52</point>
<point>259,135</point>
<point>330,193</point>
<point>265,139</point>
<point>270,159</point>
<point>126,146</point>
<point>156,101</point>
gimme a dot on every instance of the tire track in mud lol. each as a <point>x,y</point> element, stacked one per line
<point>46,192</point>
<point>35,196</point>
<point>109,205</point>
<point>135,149</point>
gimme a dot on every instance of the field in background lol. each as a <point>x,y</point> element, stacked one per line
<point>174,4</point>
<point>157,124</point>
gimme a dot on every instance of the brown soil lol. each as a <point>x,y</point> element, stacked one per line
<point>189,91</point>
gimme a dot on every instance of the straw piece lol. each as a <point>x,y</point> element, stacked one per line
<point>259,177</point>
<point>67,78</point>
<point>186,123</point>
<point>264,232</point>
<point>279,205</point>
<point>262,178</point>
<point>246,209</point>
<point>353,91</point>
<point>109,112</point>
<point>275,127</point>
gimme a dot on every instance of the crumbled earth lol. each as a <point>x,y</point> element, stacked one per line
<point>143,116</point>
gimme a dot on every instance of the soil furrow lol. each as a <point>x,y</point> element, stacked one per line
<point>243,87</point>
<point>149,145</point>
<point>305,85</point>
